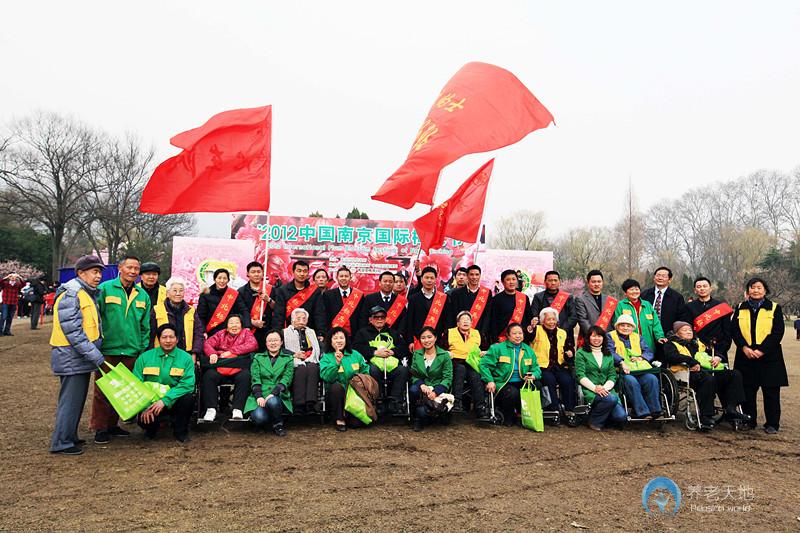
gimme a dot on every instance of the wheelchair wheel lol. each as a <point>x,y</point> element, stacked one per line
<point>692,411</point>
<point>670,394</point>
<point>498,418</point>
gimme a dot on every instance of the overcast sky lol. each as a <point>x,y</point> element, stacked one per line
<point>673,94</point>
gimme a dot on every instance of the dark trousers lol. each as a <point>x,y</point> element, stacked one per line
<point>703,386</point>
<point>729,387</point>
<point>463,372</point>
<point>334,397</point>
<point>772,404</point>
<point>212,379</point>
<point>8,316</point>
<point>36,311</point>
<point>179,415</point>
<point>71,399</point>
<point>605,408</point>
<point>103,415</point>
<point>395,381</point>
<point>305,384</point>
<point>507,399</point>
<point>555,375</point>
<point>272,413</point>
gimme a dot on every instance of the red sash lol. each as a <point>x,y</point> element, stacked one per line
<point>559,301</point>
<point>342,318</point>
<point>718,311</point>
<point>519,312</point>
<point>605,316</point>
<point>256,311</point>
<point>223,309</point>
<point>299,299</point>
<point>396,309</point>
<point>479,305</point>
<point>434,313</point>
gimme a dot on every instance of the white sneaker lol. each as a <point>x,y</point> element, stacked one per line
<point>237,415</point>
<point>210,416</point>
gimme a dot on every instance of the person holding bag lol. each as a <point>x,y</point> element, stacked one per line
<point>170,372</point>
<point>506,367</point>
<point>431,376</point>
<point>271,377</point>
<point>337,366</point>
<point>595,371</point>
<point>75,353</point>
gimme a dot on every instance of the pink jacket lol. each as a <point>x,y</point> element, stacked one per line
<point>222,341</point>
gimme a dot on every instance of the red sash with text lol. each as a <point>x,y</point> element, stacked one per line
<point>520,300</point>
<point>560,300</point>
<point>299,299</point>
<point>718,311</point>
<point>223,309</point>
<point>342,318</point>
<point>479,305</point>
<point>434,313</point>
<point>257,310</point>
<point>396,309</point>
<point>605,316</point>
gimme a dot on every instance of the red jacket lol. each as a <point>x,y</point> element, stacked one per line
<point>222,341</point>
<point>11,291</point>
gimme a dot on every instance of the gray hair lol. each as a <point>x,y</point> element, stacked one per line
<point>463,313</point>
<point>548,311</point>
<point>175,280</point>
<point>299,311</point>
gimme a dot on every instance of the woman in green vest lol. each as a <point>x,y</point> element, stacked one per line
<point>431,378</point>
<point>336,368</point>
<point>757,331</point>
<point>595,371</point>
<point>645,320</point>
<point>505,367</point>
<point>271,377</point>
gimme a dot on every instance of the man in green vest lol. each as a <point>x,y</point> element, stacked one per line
<point>125,315</point>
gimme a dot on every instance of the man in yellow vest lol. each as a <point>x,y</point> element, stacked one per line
<point>75,353</point>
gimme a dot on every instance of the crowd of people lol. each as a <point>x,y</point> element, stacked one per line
<point>25,299</point>
<point>426,353</point>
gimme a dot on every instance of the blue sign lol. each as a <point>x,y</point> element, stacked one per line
<point>661,491</point>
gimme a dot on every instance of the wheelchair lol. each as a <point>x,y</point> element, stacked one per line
<point>683,400</point>
<point>667,389</point>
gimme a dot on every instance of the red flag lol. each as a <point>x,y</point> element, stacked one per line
<point>460,216</point>
<point>482,107</point>
<point>224,167</point>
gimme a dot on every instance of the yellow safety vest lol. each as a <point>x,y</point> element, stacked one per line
<point>91,320</point>
<point>763,324</point>
<point>459,348</point>
<point>541,346</point>
<point>619,346</point>
<point>683,350</point>
<point>188,324</point>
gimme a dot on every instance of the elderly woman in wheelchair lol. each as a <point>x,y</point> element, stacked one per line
<point>708,376</point>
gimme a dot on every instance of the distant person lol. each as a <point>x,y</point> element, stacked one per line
<point>36,298</point>
<point>11,285</point>
<point>797,328</point>
<point>75,350</point>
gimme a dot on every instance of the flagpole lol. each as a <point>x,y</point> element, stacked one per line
<point>263,288</point>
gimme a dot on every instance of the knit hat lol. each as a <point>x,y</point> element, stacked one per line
<point>624,319</point>
<point>88,261</point>
<point>150,267</point>
<point>677,325</point>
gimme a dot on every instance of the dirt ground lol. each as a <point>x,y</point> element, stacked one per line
<point>387,478</point>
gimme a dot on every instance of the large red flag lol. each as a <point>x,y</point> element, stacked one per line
<point>482,107</point>
<point>460,216</point>
<point>224,167</point>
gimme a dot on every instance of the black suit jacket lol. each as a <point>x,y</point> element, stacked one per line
<point>332,303</point>
<point>376,299</point>
<point>673,307</point>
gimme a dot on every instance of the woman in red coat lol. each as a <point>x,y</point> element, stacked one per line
<point>227,360</point>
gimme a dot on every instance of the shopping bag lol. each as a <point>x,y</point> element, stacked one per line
<point>385,363</point>
<point>158,388</point>
<point>532,417</point>
<point>126,394</point>
<point>474,358</point>
<point>705,362</point>
<point>354,405</point>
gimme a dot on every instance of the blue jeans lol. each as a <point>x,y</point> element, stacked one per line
<point>271,414</point>
<point>605,408</point>
<point>8,316</point>
<point>643,392</point>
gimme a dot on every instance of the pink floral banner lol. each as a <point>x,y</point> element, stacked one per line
<point>196,259</point>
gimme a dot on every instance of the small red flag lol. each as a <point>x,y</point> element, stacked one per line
<point>224,167</point>
<point>460,216</point>
<point>482,108</point>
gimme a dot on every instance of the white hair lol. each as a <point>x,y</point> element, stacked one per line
<point>299,311</point>
<point>175,280</point>
<point>546,311</point>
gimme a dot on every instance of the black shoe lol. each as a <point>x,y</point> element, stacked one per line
<point>418,425</point>
<point>279,431</point>
<point>736,415</point>
<point>706,423</point>
<point>72,450</point>
<point>102,437</point>
<point>341,427</point>
<point>9,334</point>
<point>769,430</point>
<point>311,408</point>
<point>183,438</point>
<point>572,421</point>
<point>458,406</point>
<point>299,410</point>
<point>656,415</point>
<point>117,431</point>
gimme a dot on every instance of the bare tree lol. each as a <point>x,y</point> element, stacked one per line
<point>44,167</point>
<point>521,230</point>
<point>582,249</point>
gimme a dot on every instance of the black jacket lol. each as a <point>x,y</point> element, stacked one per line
<point>208,302</point>
<point>461,299</point>
<point>502,308</point>
<point>716,333</point>
<point>673,307</point>
<point>418,307</point>
<point>316,311</point>
<point>769,370</point>
<point>332,303</point>
<point>567,318</point>
<point>376,299</point>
